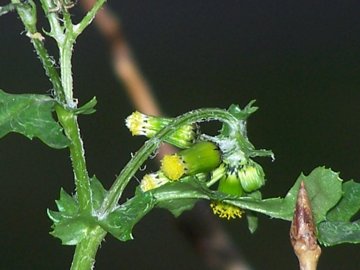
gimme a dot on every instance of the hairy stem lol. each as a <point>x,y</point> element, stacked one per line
<point>85,252</point>
<point>27,14</point>
<point>66,72</point>
<point>69,122</point>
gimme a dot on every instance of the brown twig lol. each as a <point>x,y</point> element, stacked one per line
<point>303,232</point>
<point>206,233</point>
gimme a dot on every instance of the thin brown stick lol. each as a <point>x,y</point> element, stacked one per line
<point>212,243</point>
<point>303,232</point>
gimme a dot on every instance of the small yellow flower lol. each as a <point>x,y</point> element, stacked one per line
<point>153,180</point>
<point>225,210</point>
<point>174,166</point>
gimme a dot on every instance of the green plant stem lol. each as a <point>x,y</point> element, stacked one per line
<point>85,252</point>
<point>57,31</point>
<point>151,145</point>
<point>88,18</point>
<point>27,14</point>
<point>69,122</point>
<point>65,67</point>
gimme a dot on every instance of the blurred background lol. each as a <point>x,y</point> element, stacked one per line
<point>298,59</point>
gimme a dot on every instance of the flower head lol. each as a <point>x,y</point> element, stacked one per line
<point>201,157</point>
<point>153,180</point>
<point>142,124</point>
<point>225,210</point>
<point>229,184</point>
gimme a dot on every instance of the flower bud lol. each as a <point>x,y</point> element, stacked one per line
<point>153,180</point>
<point>201,157</point>
<point>141,124</point>
<point>229,184</point>
<point>251,176</point>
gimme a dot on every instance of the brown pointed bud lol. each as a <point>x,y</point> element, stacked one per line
<point>303,232</point>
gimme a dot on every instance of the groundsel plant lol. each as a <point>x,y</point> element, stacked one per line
<point>224,169</point>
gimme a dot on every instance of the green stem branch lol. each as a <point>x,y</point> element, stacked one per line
<point>88,18</point>
<point>27,14</point>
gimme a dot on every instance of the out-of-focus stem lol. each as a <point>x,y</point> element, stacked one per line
<point>303,232</point>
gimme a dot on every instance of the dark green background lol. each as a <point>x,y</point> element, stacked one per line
<point>298,59</point>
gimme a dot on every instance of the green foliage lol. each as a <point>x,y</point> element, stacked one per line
<point>122,220</point>
<point>87,108</point>
<point>175,191</point>
<point>31,116</point>
<point>98,193</point>
<point>338,228</point>
<point>71,225</point>
<point>322,185</point>
<point>349,204</point>
<point>339,232</point>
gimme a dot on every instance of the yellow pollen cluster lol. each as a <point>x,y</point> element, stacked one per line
<point>225,210</point>
<point>173,167</point>
<point>135,123</point>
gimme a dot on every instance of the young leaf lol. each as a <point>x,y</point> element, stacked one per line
<point>67,203</point>
<point>324,188</point>
<point>87,108</point>
<point>121,221</point>
<point>69,225</point>
<point>98,192</point>
<point>31,115</point>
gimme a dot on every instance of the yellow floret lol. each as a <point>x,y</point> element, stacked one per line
<point>153,180</point>
<point>225,210</point>
<point>135,123</point>
<point>173,167</point>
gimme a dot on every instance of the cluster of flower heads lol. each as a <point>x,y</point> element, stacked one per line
<point>197,157</point>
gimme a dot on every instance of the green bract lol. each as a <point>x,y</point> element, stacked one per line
<point>251,176</point>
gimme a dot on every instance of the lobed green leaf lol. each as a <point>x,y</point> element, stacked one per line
<point>31,116</point>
